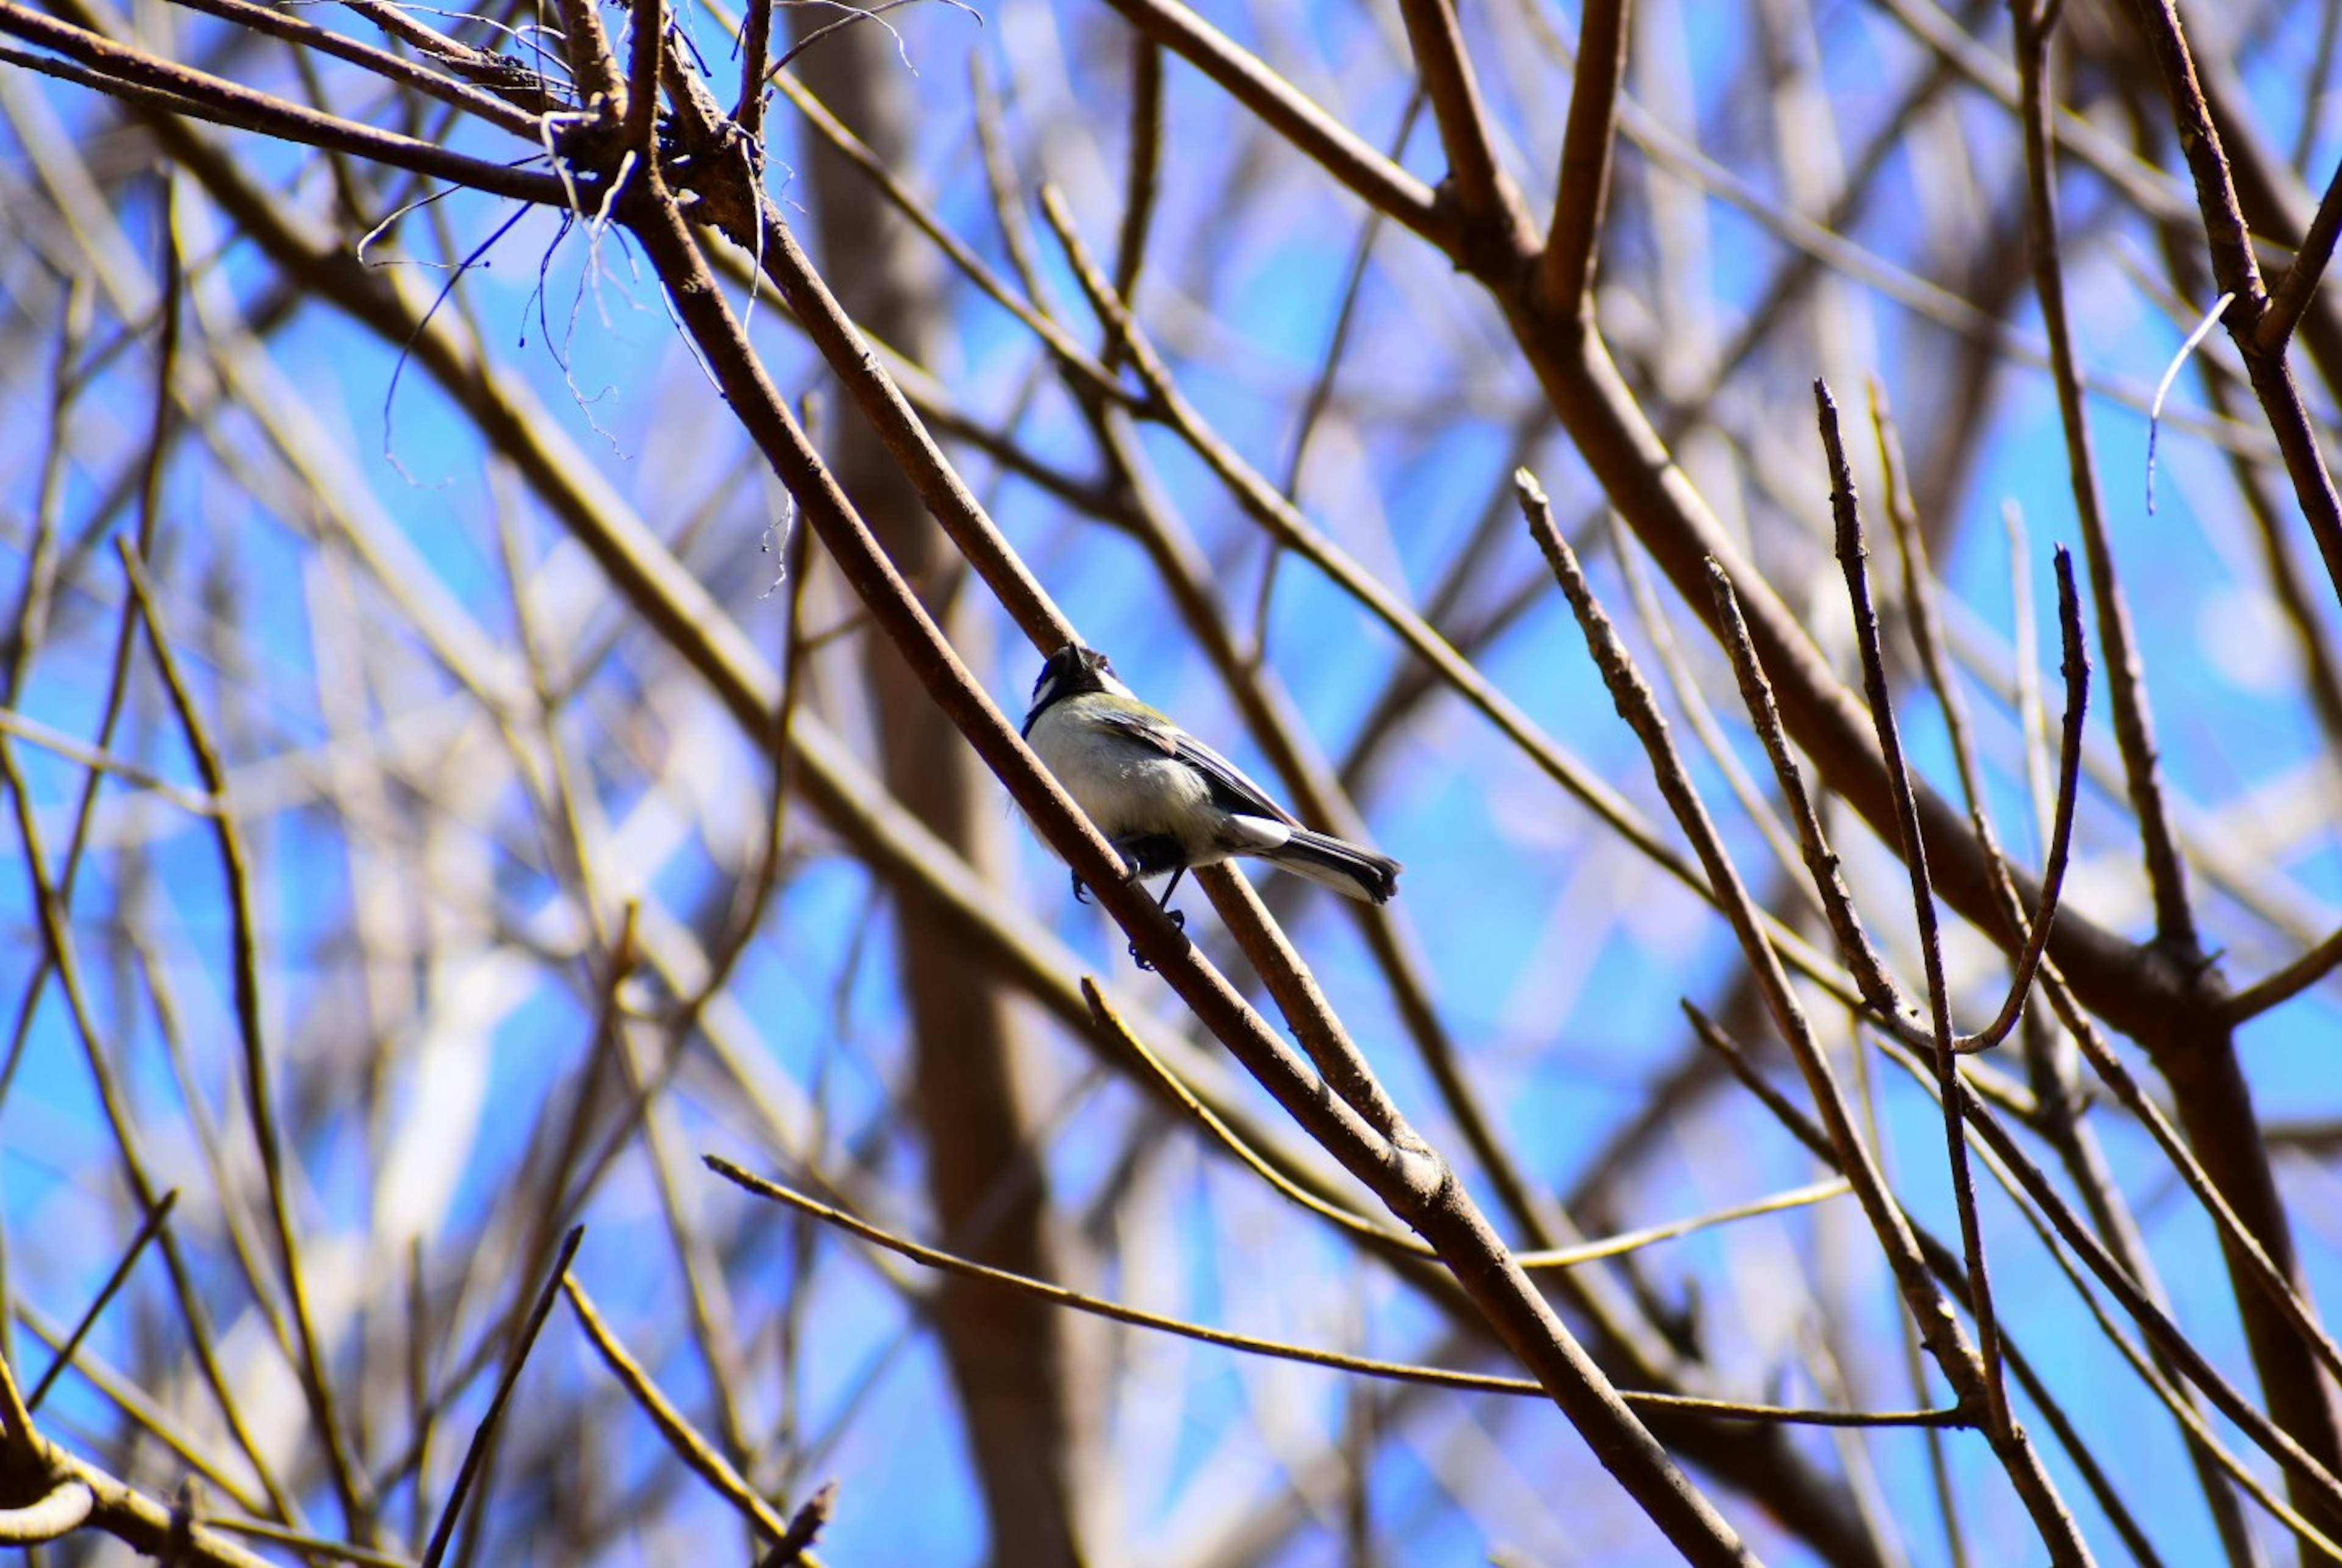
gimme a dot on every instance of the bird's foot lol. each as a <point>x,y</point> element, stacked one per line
<point>1179,922</point>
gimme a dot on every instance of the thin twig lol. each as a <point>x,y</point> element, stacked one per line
<point>2175,919</point>
<point>64,1355</point>
<point>2076,667</point>
<point>235,870</point>
<point>1363,1366</point>
<point>1000,180</point>
<point>1141,173</point>
<point>2301,279</point>
<point>1659,631</point>
<point>483,1434</point>
<point>1321,385</point>
<point>804,1525</point>
<point>696,1452</point>
<point>1878,987</point>
<point>1630,1241</point>
<point>1110,1023</point>
<point>1115,1312</point>
<point>57,742</point>
<point>1852,555</point>
<point>1919,592</point>
<point>2285,985</point>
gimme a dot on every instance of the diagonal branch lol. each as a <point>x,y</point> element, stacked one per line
<point>2236,271</point>
<point>1371,176</point>
<point>270,114</point>
<point>2294,290</point>
<point>1496,236</point>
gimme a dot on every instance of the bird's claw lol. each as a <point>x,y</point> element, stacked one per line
<point>1179,922</point>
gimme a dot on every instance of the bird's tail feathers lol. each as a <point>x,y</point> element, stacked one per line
<point>1352,871</point>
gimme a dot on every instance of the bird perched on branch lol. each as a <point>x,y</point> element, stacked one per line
<point>1164,799</point>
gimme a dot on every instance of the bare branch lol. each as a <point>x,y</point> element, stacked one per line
<point>484,1435</point>
<point>1588,146</point>
<point>200,91</point>
<point>2301,279</point>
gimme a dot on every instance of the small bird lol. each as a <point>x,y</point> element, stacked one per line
<point>1164,799</point>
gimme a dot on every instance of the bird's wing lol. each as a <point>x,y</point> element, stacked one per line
<point>1230,788</point>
